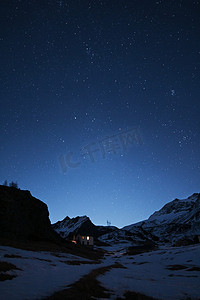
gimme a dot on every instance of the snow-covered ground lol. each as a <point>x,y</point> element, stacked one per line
<point>42,273</point>
<point>168,273</point>
<point>153,274</point>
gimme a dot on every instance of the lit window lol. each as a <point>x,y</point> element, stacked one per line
<point>88,238</point>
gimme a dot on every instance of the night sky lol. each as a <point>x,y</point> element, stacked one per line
<point>100,110</point>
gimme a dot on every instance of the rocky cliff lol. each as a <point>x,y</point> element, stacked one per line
<point>22,216</point>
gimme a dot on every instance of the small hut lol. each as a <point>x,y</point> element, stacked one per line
<point>83,239</point>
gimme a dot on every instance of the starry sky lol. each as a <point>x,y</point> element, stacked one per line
<point>100,104</point>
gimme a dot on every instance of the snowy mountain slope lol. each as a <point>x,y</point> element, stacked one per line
<point>67,225</point>
<point>105,234</point>
<point>177,219</point>
<point>127,238</point>
<point>80,225</point>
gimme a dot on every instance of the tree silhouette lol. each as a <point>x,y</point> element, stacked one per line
<point>5,183</point>
<point>13,184</point>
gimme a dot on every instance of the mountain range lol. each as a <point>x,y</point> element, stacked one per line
<point>177,222</point>
<point>25,217</point>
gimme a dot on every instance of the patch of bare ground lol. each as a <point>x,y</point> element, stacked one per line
<point>181,267</point>
<point>173,275</point>
<point>140,263</point>
<point>5,267</point>
<point>135,296</point>
<point>134,250</point>
<point>79,262</point>
<point>42,259</point>
<point>194,269</point>
<point>4,277</point>
<point>88,287</point>
<point>176,267</point>
<point>13,256</point>
<point>19,256</point>
<point>62,247</point>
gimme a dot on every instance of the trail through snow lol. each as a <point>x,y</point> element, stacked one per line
<point>168,273</point>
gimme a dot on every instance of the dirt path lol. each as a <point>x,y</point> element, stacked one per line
<point>88,287</point>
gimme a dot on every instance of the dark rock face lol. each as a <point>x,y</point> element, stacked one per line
<point>23,217</point>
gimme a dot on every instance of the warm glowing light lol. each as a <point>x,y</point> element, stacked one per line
<point>88,238</point>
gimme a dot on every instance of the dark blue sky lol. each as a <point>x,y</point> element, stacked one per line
<point>74,73</point>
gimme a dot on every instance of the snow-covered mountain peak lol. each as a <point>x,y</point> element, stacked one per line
<point>194,197</point>
<point>67,225</point>
<point>177,219</point>
<point>175,208</point>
